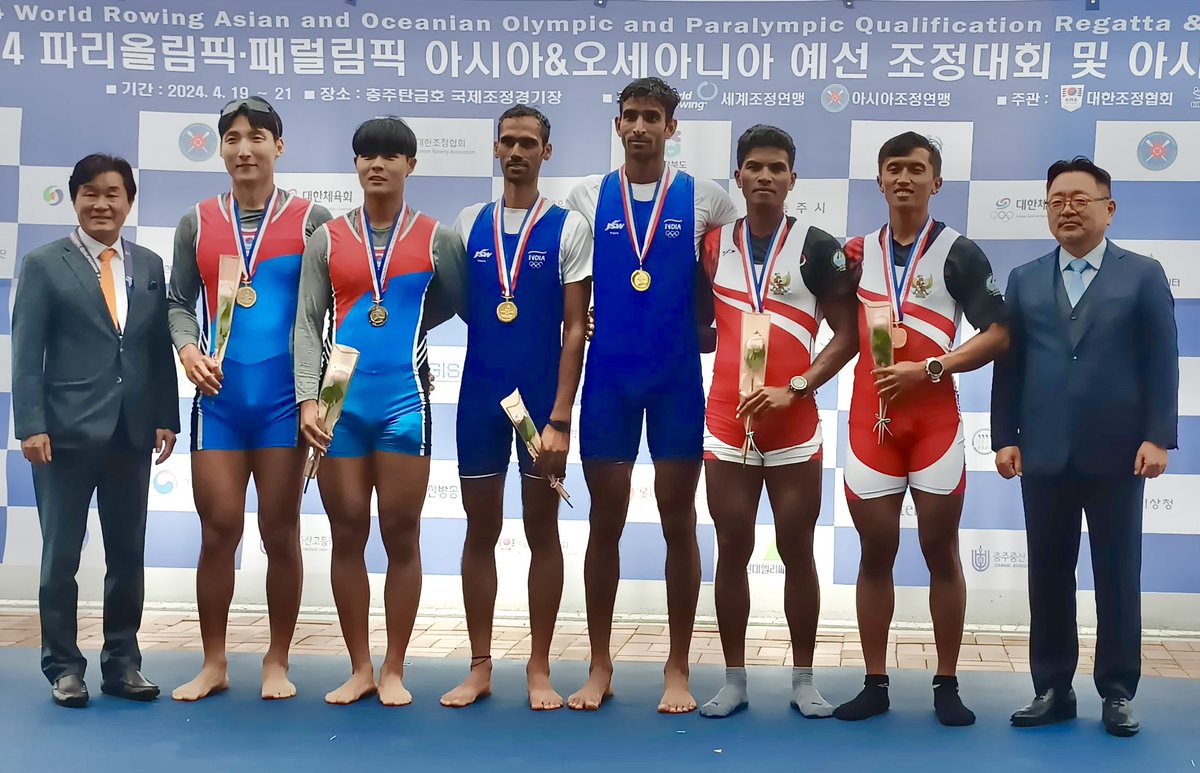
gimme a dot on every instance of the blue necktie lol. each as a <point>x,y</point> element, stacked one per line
<point>1074,279</point>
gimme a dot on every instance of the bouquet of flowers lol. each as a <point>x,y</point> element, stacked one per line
<point>756,333</point>
<point>229,276</point>
<point>334,387</point>
<point>514,408</point>
<point>879,326</point>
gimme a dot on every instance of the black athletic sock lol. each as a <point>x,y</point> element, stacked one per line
<point>947,705</point>
<point>872,701</point>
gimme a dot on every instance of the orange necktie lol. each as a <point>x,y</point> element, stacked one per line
<point>107,285</point>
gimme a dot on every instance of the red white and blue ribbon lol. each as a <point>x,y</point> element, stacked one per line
<point>642,248</point>
<point>509,270</point>
<point>756,283</point>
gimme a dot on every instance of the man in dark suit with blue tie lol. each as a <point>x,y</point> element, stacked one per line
<point>94,390</point>
<point>1084,408</point>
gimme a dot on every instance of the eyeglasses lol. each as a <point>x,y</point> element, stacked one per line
<point>1078,203</point>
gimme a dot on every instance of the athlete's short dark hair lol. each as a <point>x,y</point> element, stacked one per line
<point>651,88</point>
<point>764,136</point>
<point>903,144</point>
<point>385,136</point>
<point>90,167</point>
<point>1079,164</point>
<point>258,112</point>
<point>525,111</point>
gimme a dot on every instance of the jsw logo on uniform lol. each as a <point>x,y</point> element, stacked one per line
<point>482,255</point>
<point>615,225</point>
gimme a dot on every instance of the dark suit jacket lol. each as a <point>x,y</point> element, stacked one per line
<point>1087,386</point>
<point>73,374</point>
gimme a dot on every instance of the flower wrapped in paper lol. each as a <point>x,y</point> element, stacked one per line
<point>752,371</point>
<point>514,407</point>
<point>879,334</point>
<point>229,275</point>
<point>335,385</point>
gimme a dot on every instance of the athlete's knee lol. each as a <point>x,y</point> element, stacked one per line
<point>735,547</point>
<point>679,531</point>
<point>349,536</point>
<point>281,541</point>
<point>401,537</point>
<point>542,535</point>
<point>796,554</point>
<point>221,533</point>
<point>879,552</point>
<point>482,534</point>
<point>941,553</point>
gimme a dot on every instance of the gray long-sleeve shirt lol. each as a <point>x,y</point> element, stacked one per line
<point>443,300</point>
<point>185,285</point>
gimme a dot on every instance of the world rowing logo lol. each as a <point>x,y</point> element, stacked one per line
<point>1157,151</point>
<point>198,142</point>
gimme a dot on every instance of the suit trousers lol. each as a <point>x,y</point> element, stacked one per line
<point>119,475</point>
<point>1053,506</point>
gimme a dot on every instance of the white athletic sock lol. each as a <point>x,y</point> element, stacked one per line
<point>732,696</point>
<point>805,695</point>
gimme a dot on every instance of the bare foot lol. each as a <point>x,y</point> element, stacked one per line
<point>478,684</point>
<point>391,688</point>
<point>677,699</point>
<point>358,686</point>
<point>594,691</point>
<point>210,681</point>
<point>542,695</point>
<point>275,683</point>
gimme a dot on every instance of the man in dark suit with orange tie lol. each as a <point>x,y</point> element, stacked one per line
<point>1084,408</point>
<point>94,390</point>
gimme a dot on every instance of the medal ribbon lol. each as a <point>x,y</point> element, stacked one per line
<point>640,248</point>
<point>899,287</point>
<point>250,255</point>
<point>379,266</point>
<point>509,270</point>
<point>756,282</point>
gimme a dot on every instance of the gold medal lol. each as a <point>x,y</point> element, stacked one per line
<point>640,280</point>
<point>506,312</point>
<point>246,296</point>
<point>377,316</point>
<point>899,337</point>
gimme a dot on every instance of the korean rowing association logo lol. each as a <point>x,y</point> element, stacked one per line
<point>1157,151</point>
<point>197,142</point>
<point>835,98</point>
<point>1070,97</point>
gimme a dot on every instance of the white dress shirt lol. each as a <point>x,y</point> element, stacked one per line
<point>118,271</point>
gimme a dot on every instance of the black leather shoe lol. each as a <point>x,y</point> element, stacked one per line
<point>131,685</point>
<point>70,691</point>
<point>1118,717</point>
<point>1049,707</point>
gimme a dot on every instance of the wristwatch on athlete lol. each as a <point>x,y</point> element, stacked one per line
<point>799,386</point>
<point>934,369</point>
<point>560,426</point>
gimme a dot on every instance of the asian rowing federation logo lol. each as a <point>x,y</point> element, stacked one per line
<point>164,482</point>
<point>615,226</point>
<point>482,256</point>
<point>1157,151</point>
<point>981,441</point>
<point>781,284</point>
<point>197,142</point>
<point>936,142</point>
<point>922,286</point>
<point>53,195</point>
<point>981,559</point>
<point>1070,97</point>
<point>673,228</point>
<point>835,98</point>
<point>991,286</point>
<point>536,259</point>
<point>839,260</point>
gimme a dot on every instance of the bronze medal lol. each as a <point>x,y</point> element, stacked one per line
<point>246,296</point>
<point>377,316</point>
